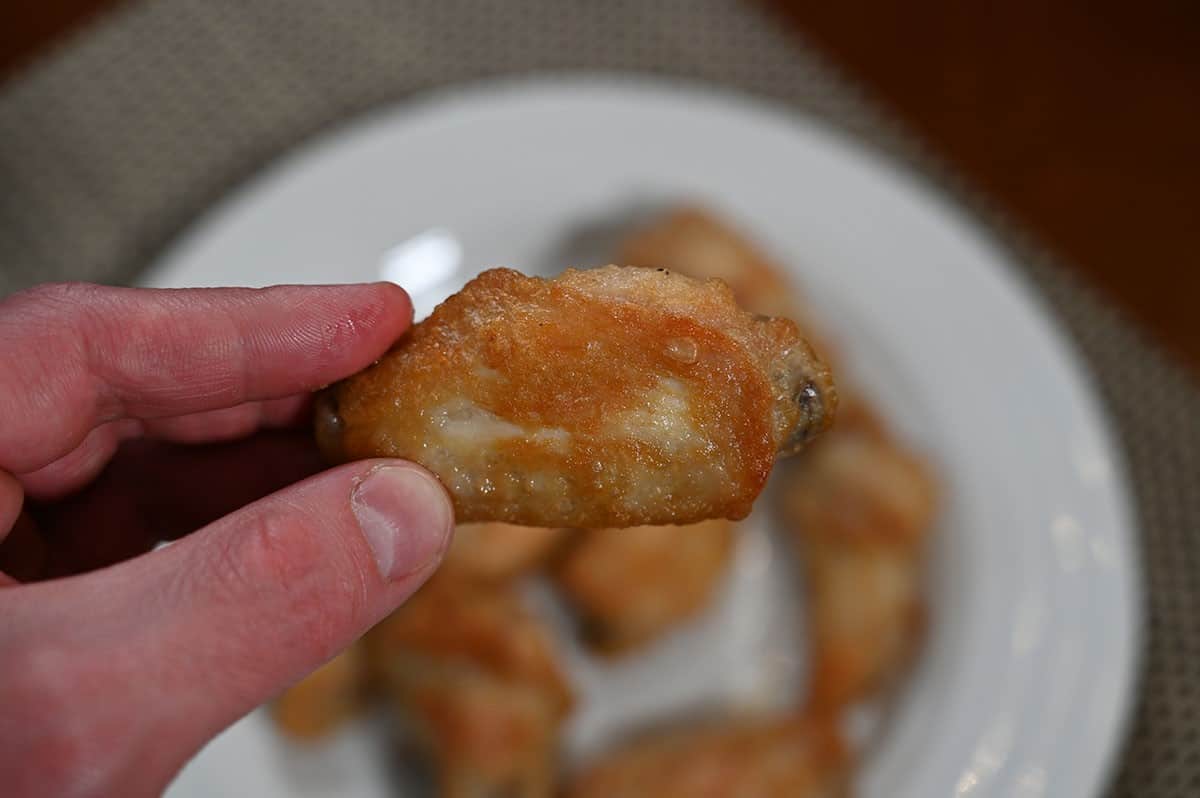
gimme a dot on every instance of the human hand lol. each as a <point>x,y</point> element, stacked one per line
<point>112,677</point>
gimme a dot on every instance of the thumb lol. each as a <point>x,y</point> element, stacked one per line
<point>125,673</point>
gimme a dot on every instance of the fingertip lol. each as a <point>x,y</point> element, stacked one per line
<point>397,297</point>
<point>405,515</point>
<point>360,322</point>
<point>396,308</point>
<point>381,305</point>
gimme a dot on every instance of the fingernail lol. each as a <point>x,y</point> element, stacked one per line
<point>405,515</point>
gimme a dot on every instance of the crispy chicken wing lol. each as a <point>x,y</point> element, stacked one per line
<point>778,758</point>
<point>631,585</point>
<point>475,676</point>
<point>861,508</point>
<point>325,698</point>
<point>602,398</point>
<point>498,551</point>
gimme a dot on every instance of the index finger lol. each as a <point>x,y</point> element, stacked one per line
<point>75,356</point>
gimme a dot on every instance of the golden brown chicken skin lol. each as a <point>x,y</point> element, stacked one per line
<point>498,551</point>
<point>475,677</point>
<point>632,585</point>
<point>609,397</point>
<point>778,758</point>
<point>860,507</point>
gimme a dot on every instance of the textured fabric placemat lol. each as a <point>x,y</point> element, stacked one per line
<point>114,142</point>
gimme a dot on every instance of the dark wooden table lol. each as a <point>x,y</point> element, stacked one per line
<point>1081,118</point>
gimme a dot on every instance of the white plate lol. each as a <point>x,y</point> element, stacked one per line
<point>1026,679</point>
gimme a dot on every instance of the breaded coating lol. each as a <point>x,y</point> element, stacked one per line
<point>497,551</point>
<point>632,585</point>
<point>778,758</point>
<point>323,700</point>
<point>475,676</point>
<point>861,508</point>
<point>609,397</point>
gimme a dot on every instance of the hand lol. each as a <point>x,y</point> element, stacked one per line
<point>112,677</point>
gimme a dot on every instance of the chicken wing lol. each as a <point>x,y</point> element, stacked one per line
<point>631,585</point>
<point>475,677</point>
<point>321,701</point>
<point>778,758</point>
<point>610,397</point>
<point>497,551</point>
<point>861,508</point>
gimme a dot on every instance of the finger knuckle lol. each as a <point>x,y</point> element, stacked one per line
<point>58,308</point>
<point>301,563</point>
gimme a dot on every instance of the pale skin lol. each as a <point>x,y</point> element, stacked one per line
<point>118,663</point>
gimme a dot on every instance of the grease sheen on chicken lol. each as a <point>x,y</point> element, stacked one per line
<point>602,398</point>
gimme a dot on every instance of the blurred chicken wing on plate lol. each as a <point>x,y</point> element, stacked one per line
<point>768,758</point>
<point>632,585</point>
<point>323,700</point>
<point>860,508</point>
<point>497,551</point>
<point>475,678</point>
<point>694,242</point>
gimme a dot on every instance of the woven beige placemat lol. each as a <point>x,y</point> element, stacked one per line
<point>114,142</point>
